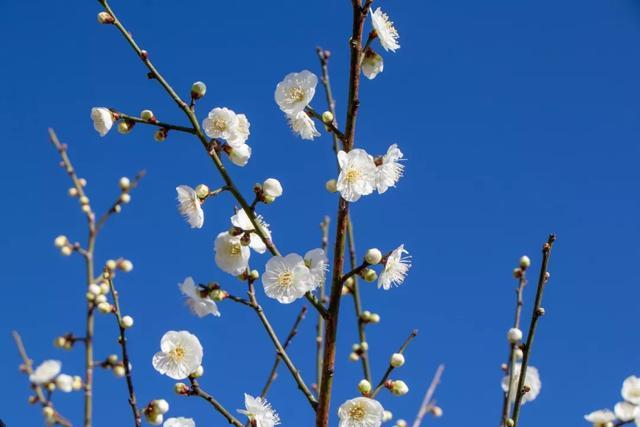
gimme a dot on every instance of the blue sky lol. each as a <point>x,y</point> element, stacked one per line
<point>517,119</point>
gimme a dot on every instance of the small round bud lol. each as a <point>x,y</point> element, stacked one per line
<point>99,299</point>
<point>365,316</point>
<point>518,353</point>
<point>510,422</point>
<point>112,359</point>
<point>198,90</point>
<point>160,135</point>
<point>374,318</point>
<point>86,209</point>
<point>73,192</point>
<point>147,115</point>
<point>547,275</point>
<point>267,200</point>
<point>154,418</point>
<point>60,241</point>
<point>514,335</point>
<point>105,18</point>
<point>436,411</point>
<point>104,288</point>
<point>66,250</point>
<point>397,360</point>
<point>387,416</point>
<point>124,127</point>
<point>254,275</point>
<point>202,191</point>
<point>349,282</point>
<point>272,187</point>
<point>198,372</point>
<point>369,275</point>
<point>353,356</point>
<point>401,423</point>
<point>373,256</point>
<point>95,289</point>
<point>327,117</point>
<point>345,291</point>
<point>77,383</point>
<point>540,311</point>
<point>161,406</point>
<point>60,342</point>
<point>119,371</point>
<point>517,272</point>
<point>399,388</point>
<point>104,307</point>
<point>90,296</point>
<point>83,182</point>
<point>126,322</point>
<point>48,412</point>
<point>125,265</point>
<point>181,388</point>
<point>356,347</point>
<point>111,265</point>
<point>364,346</point>
<point>125,198</point>
<point>364,387</point>
<point>525,262</point>
<point>331,186</point>
<point>124,183</point>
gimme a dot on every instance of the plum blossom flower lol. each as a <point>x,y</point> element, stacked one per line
<point>303,125</point>
<point>200,304</point>
<point>372,64</point>
<point>179,422</point>
<point>626,411</point>
<point>45,372</point>
<point>600,418</point>
<point>221,123</point>
<point>259,412</point>
<point>389,171</point>
<point>242,132</point>
<point>531,380</point>
<point>240,154</point>
<point>241,220</point>
<point>295,92</point>
<point>180,355</point>
<point>385,30</point>
<point>360,412</point>
<point>231,255</point>
<point>395,269</point>
<point>317,262</point>
<point>631,390</point>
<point>271,187</point>
<point>102,120</point>
<point>357,174</point>
<point>287,278</point>
<point>189,206</point>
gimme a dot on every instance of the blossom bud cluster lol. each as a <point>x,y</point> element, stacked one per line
<point>155,410</point>
<point>66,247</point>
<point>369,317</point>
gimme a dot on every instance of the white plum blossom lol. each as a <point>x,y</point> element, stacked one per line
<point>242,132</point>
<point>361,412</point>
<point>179,422</point>
<point>259,412</point>
<point>189,206</point>
<point>372,64</point>
<point>231,256</point>
<point>221,123</point>
<point>600,418</point>
<point>180,355</point>
<point>317,262</point>
<point>303,125</point>
<point>631,390</point>
<point>45,372</point>
<point>357,174</point>
<point>395,268</point>
<point>102,120</point>
<point>532,381</point>
<point>626,411</point>
<point>64,383</point>
<point>242,221</point>
<point>271,187</point>
<point>287,278</point>
<point>200,305</point>
<point>240,154</point>
<point>295,92</point>
<point>385,30</point>
<point>389,171</point>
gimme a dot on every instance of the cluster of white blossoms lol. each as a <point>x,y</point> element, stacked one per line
<point>293,95</point>
<point>361,173</point>
<point>290,277</point>
<point>626,411</point>
<point>223,123</point>
<point>372,62</point>
<point>361,412</point>
<point>531,382</point>
<point>395,269</point>
<point>259,412</point>
<point>180,355</point>
<point>48,374</point>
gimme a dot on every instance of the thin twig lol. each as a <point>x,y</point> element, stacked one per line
<point>390,368</point>
<point>535,316</point>
<point>156,123</point>
<point>195,390</point>
<point>427,402</point>
<point>324,226</point>
<point>115,206</point>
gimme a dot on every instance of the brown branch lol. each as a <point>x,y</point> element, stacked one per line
<point>324,226</point>
<point>390,368</point>
<point>427,402</point>
<point>195,390</point>
<point>537,312</point>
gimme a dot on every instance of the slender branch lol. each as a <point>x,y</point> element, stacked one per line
<point>390,368</point>
<point>115,207</point>
<point>156,123</point>
<point>324,226</point>
<point>331,126</point>
<point>355,272</point>
<point>195,390</point>
<point>28,369</point>
<point>535,316</point>
<point>122,340</point>
<point>427,402</point>
<point>274,370</point>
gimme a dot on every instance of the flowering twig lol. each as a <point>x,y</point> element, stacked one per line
<point>39,397</point>
<point>390,368</point>
<point>324,226</point>
<point>331,125</point>
<point>122,340</point>
<point>537,312</point>
<point>117,205</point>
<point>155,123</point>
<point>428,403</point>
<point>195,390</point>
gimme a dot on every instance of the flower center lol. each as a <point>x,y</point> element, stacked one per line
<point>177,354</point>
<point>352,175</point>
<point>296,94</point>
<point>285,279</point>
<point>235,249</point>
<point>356,413</point>
<point>219,124</point>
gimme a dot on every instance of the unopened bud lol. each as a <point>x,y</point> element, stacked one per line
<point>181,388</point>
<point>397,360</point>
<point>126,322</point>
<point>374,318</point>
<point>514,335</point>
<point>525,262</point>
<point>373,256</point>
<point>147,115</point>
<point>202,191</point>
<point>364,387</point>
<point>124,183</point>
<point>119,371</point>
<point>327,117</point>
<point>60,241</point>
<point>331,186</point>
<point>436,411</point>
<point>111,265</point>
<point>369,275</point>
<point>198,372</point>
<point>160,135</point>
<point>160,406</point>
<point>105,18</point>
<point>517,272</point>
<point>104,307</point>
<point>125,265</point>
<point>198,90</point>
<point>124,127</point>
<point>125,198</point>
<point>399,388</point>
<point>73,192</point>
<point>66,250</point>
<point>353,356</point>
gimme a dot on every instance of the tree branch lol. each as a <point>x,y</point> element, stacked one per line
<point>427,402</point>
<point>390,368</point>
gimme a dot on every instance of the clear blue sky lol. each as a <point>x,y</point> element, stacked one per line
<point>518,119</point>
